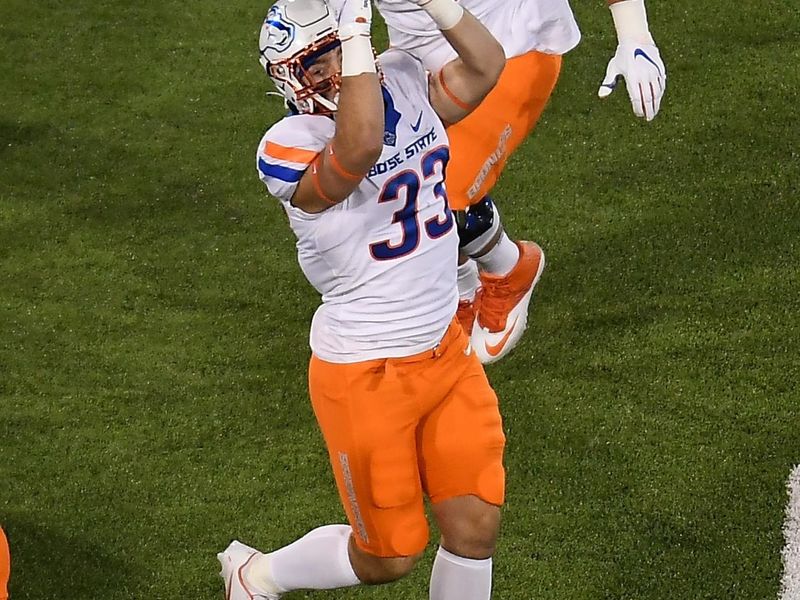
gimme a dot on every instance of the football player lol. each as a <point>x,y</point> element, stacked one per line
<point>403,403</point>
<point>534,34</point>
<point>5,565</point>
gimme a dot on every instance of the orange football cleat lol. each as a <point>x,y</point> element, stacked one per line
<point>503,313</point>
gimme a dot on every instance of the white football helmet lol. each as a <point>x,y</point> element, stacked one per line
<point>294,34</point>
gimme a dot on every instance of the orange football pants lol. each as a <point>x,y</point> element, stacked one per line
<point>5,565</point>
<point>401,428</point>
<point>481,143</point>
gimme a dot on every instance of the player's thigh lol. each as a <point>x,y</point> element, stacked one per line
<point>462,441</point>
<point>369,428</point>
<point>481,143</point>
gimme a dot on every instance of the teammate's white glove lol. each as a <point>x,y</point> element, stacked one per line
<point>645,77</point>
<point>445,13</point>
<point>351,13</point>
<point>336,6</point>
<point>637,60</point>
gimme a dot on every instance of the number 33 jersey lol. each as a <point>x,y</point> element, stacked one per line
<point>385,259</point>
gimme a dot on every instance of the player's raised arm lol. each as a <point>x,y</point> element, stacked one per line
<point>637,60</point>
<point>325,70</point>
<point>358,141</point>
<point>463,82</point>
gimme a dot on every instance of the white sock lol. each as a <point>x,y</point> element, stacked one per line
<point>502,258</point>
<point>468,280</point>
<point>317,561</point>
<point>457,578</point>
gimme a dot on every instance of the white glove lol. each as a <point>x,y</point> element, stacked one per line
<point>645,77</point>
<point>352,12</point>
<point>445,13</point>
<point>336,6</point>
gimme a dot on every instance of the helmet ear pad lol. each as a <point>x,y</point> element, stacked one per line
<point>292,37</point>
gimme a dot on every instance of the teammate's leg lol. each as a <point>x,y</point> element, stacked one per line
<point>480,146</point>
<point>482,241</point>
<point>478,228</point>
<point>468,296</point>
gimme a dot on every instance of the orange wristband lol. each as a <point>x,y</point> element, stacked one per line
<point>317,187</point>
<point>337,166</point>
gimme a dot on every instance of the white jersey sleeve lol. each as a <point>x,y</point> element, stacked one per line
<point>288,148</point>
<point>521,26</point>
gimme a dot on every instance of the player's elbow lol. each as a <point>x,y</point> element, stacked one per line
<point>495,62</point>
<point>486,73</point>
<point>367,148</point>
<point>360,147</point>
<point>373,146</point>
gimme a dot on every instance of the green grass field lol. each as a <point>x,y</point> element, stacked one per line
<point>153,319</point>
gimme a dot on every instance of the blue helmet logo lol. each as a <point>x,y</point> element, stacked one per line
<point>281,34</point>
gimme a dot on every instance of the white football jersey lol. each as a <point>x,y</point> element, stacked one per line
<point>520,26</point>
<point>385,259</point>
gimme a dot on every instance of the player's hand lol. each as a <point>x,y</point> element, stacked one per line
<point>336,7</point>
<point>352,12</point>
<point>645,77</point>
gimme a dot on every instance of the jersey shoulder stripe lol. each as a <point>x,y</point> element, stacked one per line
<point>288,148</point>
<point>273,150</point>
<point>287,174</point>
<point>284,162</point>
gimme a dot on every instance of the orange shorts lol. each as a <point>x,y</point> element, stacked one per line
<point>481,143</point>
<point>401,428</point>
<point>5,565</point>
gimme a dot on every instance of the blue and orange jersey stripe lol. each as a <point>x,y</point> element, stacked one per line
<point>276,153</point>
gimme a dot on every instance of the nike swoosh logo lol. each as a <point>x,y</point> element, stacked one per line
<point>416,125</point>
<point>643,54</point>
<point>494,350</point>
